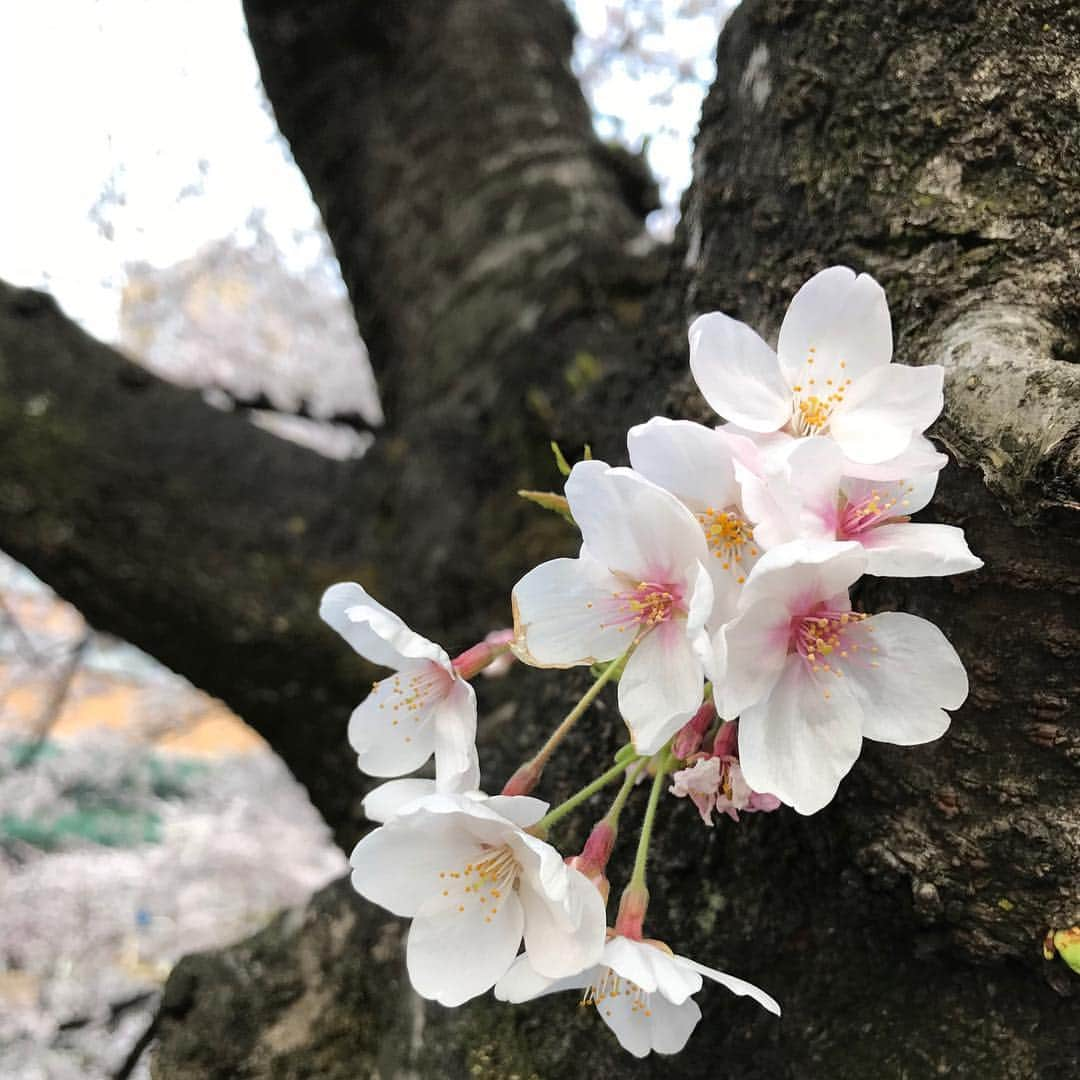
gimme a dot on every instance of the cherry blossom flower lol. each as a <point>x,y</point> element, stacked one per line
<point>810,678</point>
<point>641,579</point>
<point>640,989</point>
<point>425,707</point>
<point>474,882</point>
<point>830,375</point>
<point>803,494</point>
<point>717,784</point>
<point>698,464</point>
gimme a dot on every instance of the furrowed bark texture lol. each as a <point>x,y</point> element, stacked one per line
<point>485,239</point>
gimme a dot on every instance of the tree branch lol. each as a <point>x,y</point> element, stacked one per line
<point>185,530</point>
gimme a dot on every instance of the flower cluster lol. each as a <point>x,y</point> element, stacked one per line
<point>714,586</point>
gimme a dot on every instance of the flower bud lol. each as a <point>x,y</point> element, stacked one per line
<point>632,907</point>
<point>475,659</point>
<point>524,780</point>
<point>689,739</point>
<point>726,743</point>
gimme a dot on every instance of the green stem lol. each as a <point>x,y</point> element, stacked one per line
<point>540,759</point>
<point>612,816</point>
<point>637,878</point>
<point>586,792</point>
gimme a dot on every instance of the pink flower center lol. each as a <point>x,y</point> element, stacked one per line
<point>646,605</point>
<point>412,692</point>
<point>829,640</point>
<point>858,517</point>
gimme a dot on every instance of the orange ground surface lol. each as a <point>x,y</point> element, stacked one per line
<point>174,717</point>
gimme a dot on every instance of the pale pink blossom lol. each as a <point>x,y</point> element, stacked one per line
<point>699,464</point>
<point>717,784</point>
<point>830,375</point>
<point>810,678</point>
<point>641,579</point>
<point>640,989</point>
<point>801,492</point>
<point>425,707</point>
<point>475,882</point>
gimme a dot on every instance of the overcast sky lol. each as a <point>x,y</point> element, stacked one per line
<point>158,105</point>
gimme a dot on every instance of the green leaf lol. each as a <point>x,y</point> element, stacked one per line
<point>560,462</point>
<point>549,501</point>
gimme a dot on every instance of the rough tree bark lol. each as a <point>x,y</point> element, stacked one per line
<point>489,243</point>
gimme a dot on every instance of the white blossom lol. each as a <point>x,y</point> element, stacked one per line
<point>474,882</point>
<point>831,374</point>
<point>801,493</point>
<point>425,707</point>
<point>699,464</point>
<point>640,989</point>
<point>641,578</point>
<point>810,678</point>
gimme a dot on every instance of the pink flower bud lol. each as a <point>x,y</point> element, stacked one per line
<point>689,739</point>
<point>726,743</point>
<point>524,780</point>
<point>597,849</point>
<point>499,639</point>
<point>632,907</point>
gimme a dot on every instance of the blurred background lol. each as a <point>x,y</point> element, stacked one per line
<point>147,189</point>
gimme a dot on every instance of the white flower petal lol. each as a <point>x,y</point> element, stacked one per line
<point>564,938</point>
<point>374,631</point>
<point>661,687</point>
<point>630,1026</point>
<point>389,736</point>
<point>630,960</point>
<point>884,409</point>
<point>631,526</point>
<point>523,810</point>
<point>558,614</point>
<point>798,744</point>
<point>836,317</point>
<point>524,983</point>
<point>543,866</point>
<point>459,949</point>
<point>802,571</point>
<point>457,767</point>
<point>920,457</point>
<point>690,460</point>
<point>918,674</point>
<point>397,866</point>
<point>754,646</point>
<point>737,986</point>
<point>700,603</point>
<point>384,802</point>
<point>674,981</point>
<point>917,550</point>
<point>738,374</point>
<point>796,495</point>
<point>671,1025</point>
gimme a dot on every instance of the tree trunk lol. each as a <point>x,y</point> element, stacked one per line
<point>489,244</point>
